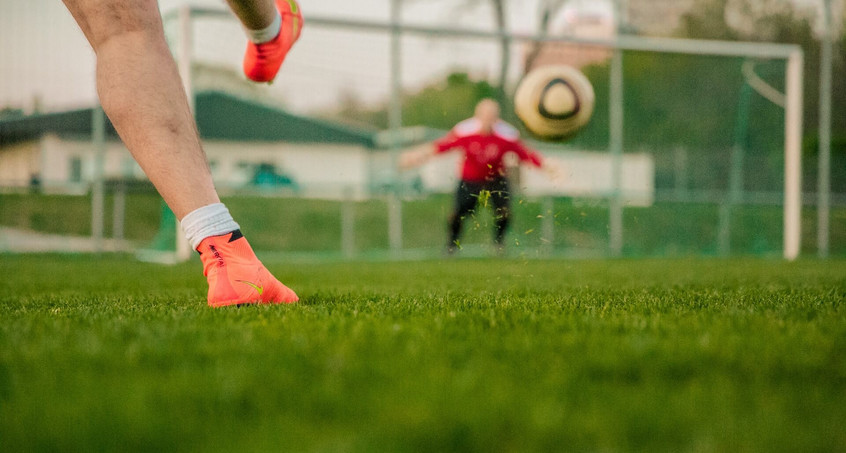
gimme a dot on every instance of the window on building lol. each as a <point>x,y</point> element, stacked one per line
<point>75,169</point>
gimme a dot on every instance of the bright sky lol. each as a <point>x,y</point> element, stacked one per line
<point>45,55</point>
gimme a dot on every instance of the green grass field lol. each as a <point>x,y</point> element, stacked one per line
<point>109,354</point>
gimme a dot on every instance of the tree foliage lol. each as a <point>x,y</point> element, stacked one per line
<point>439,105</point>
<point>780,21</point>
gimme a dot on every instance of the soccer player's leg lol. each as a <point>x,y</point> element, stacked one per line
<point>141,92</point>
<point>273,26</point>
<point>466,197</point>
<point>501,200</point>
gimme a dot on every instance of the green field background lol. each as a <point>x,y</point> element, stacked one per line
<point>580,226</point>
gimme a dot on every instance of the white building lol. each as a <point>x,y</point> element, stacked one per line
<point>254,147</point>
<point>249,146</point>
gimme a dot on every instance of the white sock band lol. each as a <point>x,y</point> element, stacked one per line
<point>210,220</point>
<point>267,33</point>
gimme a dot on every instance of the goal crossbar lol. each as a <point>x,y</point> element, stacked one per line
<point>624,42</point>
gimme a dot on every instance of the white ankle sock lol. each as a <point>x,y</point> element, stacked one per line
<point>267,33</point>
<point>210,220</point>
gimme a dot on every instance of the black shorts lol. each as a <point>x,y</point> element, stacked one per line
<point>494,193</point>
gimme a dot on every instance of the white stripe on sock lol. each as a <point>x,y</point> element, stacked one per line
<point>267,33</point>
<point>210,220</point>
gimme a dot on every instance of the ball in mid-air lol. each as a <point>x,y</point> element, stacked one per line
<point>554,101</point>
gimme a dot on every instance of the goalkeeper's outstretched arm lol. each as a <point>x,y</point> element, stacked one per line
<point>416,157</point>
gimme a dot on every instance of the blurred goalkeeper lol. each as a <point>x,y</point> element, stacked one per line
<point>141,92</point>
<point>485,140</point>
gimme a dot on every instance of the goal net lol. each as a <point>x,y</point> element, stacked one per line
<point>693,147</point>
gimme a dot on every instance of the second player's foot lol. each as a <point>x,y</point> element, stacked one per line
<point>262,61</point>
<point>236,276</point>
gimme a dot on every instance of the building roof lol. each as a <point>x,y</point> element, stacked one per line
<point>220,116</point>
<point>22,128</point>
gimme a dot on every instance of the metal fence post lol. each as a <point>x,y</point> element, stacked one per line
<point>548,226</point>
<point>348,225</point>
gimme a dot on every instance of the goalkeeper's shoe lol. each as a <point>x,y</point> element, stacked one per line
<point>235,274</point>
<point>262,61</point>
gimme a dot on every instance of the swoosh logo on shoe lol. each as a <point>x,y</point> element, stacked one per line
<point>258,288</point>
<point>293,5</point>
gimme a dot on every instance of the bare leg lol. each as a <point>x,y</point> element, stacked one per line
<point>254,14</point>
<point>142,94</point>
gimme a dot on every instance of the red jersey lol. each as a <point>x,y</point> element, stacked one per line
<point>484,152</point>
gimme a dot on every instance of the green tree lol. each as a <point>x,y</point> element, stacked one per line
<point>779,21</point>
<point>676,101</point>
<point>440,105</point>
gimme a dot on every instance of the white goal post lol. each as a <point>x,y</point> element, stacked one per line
<point>792,54</point>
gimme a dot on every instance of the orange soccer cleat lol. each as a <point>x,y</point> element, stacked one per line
<point>262,61</point>
<point>236,276</point>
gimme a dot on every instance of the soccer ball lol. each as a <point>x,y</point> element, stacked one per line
<point>554,101</point>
